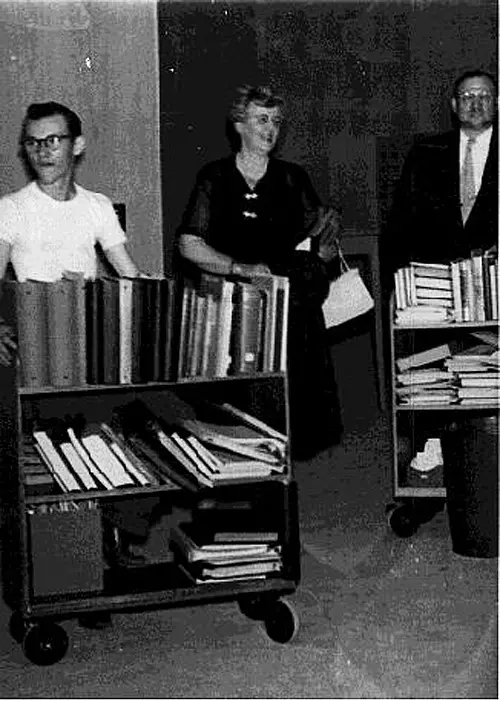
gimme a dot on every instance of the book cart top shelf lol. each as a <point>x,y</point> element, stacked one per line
<point>108,388</point>
<point>430,326</point>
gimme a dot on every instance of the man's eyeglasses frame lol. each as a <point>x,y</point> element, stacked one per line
<point>52,142</point>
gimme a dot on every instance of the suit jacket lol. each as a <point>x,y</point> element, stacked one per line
<point>426,219</point>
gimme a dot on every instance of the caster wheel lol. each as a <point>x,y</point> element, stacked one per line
<point>255,607</point>
<point>18,627</point>
<point>403,521</point>
<point>281,622</point>
<point>45,644</point>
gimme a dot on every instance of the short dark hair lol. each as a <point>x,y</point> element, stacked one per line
<point>40,110</point>
<point>476,73</point>
<point>262,95</point>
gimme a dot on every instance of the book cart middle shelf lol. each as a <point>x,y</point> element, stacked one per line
<point>224,534</point>
<point>443,373</point>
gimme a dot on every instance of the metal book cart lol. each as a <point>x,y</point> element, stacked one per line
<point>420,495</point>
<point>52,564</point>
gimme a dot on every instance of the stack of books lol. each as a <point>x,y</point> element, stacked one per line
<point>37,478</point>
<point>233,327</point>
<point>421,378</point>
<point>199,453</point>
<point>463,290</point>
<point>208,555</point>
<point>92,458</point>
<point>141,449</point>
<point>477,372</point>
<point>446,374</point>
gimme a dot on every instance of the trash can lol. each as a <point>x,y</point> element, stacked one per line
<point>470,455</point>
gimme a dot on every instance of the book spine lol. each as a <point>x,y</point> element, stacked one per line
<point>398,292</point>
<point>494,285</point>
<point>487,287</point>
<point>169,328</point>
<point>248,315</point>
<point>55,462</point>
<point>79,331</point>
<point>60,338</point>
<point>187,328</point>
<point>32,330</point>
<point>125,333</point>
<point>145,322</point>
<point>157,305</point>
<point>478,285</point>
<point>93,310</point>
<point>110,330</point>
<point>210,338</point>
<point>456,289</point>
<point>197,334</point>
<point>225,321</point>
<point>137,329</point>
<point>467,289</point>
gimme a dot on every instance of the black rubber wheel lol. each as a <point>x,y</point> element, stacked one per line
<point>255,607</point>
<point>18,627</point>
<point>45,643</point>
<point>404,521</point>
<point>281,622</point>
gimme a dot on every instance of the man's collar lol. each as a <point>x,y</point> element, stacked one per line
<point>486,133</point>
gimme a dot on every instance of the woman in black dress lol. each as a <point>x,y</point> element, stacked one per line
<point>245,217</point>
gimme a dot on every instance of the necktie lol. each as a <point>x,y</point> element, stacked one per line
<point>467,185</point>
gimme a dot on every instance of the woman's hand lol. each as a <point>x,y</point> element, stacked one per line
<point>7,344</point>
<point>251,271</point>
<point>328,232</point>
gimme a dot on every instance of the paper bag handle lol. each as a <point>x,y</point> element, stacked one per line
<point>343,263</point>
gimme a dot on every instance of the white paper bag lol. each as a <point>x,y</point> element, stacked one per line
<point>348,296</point>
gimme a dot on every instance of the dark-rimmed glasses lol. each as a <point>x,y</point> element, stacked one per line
<point>469,97</point>
<point>52,142</point>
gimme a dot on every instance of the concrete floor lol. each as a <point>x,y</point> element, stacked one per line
<point>380,616</point>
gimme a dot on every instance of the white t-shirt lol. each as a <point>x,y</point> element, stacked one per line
<point>49,237</point>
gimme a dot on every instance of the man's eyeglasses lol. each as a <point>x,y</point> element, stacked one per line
<point>52,142</point>
<point>468,97</point>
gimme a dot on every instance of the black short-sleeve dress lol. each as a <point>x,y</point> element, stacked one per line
<point>264,225</point>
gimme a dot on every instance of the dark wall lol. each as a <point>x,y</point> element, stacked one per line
<point>360,79</point>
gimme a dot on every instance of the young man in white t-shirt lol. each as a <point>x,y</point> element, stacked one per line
<point>51,227</point>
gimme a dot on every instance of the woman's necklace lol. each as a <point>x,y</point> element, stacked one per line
<point>251,169</point>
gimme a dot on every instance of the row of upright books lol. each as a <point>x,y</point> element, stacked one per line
<point>140,448</point>
<point>112,331</point>
<point>463,290</point>
<point>443,374</point>
<point>232,327</point>
<point>77,332</point>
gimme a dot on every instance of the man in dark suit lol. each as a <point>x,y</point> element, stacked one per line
<point>446,203</point>
<point>445,206</point>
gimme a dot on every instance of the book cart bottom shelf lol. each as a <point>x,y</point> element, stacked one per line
<point>79,583</point>
<point>462,462</point>
<point>45,641</point>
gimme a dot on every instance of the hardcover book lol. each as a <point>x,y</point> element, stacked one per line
<point>32,331</point>
<point>61,340</point>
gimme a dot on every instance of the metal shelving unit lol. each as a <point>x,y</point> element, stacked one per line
<point>419,496</point>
